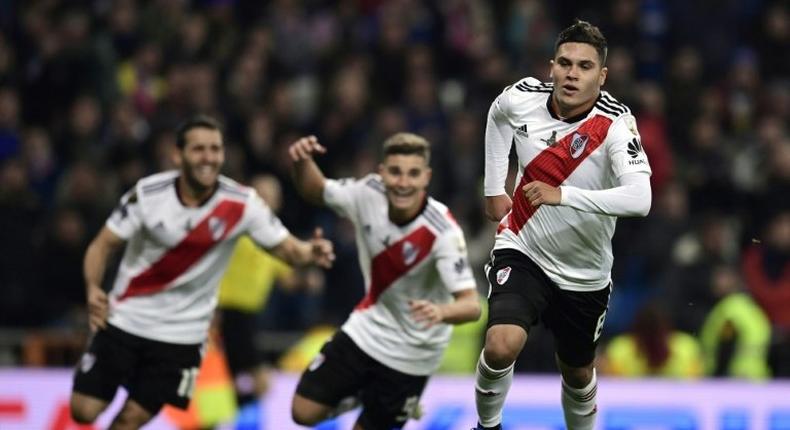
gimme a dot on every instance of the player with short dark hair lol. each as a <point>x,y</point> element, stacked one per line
<point>418,282</point>
<point>581,165</point>
<point>179,228</point>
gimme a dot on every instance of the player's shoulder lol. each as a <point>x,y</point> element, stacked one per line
<point>372,182</point>
<point>530,86</point>
<point>438,216</point>
<point>611,107</point>
<point>154,185</point>
<point>524,95</point>
<point>232,189</point>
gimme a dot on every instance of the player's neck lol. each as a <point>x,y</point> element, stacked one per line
<point>192,195</point>
<point>565,113</point>
<point>403,217</point>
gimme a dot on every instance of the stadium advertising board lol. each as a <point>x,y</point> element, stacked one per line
<point>38,399</point>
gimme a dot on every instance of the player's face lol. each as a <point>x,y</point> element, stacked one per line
<point>202,157</point>
<point>406,177</point>
<point>577,74</point>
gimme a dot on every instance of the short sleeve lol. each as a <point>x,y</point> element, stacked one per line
<point>452,261</point>
<point>265,228</point>
<point>127,218</point>
<point>625,147</point>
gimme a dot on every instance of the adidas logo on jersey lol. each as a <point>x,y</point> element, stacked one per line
<point>522,130</point>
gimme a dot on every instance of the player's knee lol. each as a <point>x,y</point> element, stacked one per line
<point>131,417</point>
<point>83,412</point>
<point>304,418</point>
<point>502,347</point>
<point>305,413</point>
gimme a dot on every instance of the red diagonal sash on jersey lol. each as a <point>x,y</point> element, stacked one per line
<point>392,263</point>
<point>210,231</point>
<point>553,166</point>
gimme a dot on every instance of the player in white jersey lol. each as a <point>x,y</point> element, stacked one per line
<point>179,228</point>
<point>417,279</point>
<point>581,165</point>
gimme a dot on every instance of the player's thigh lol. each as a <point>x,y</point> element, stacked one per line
<point>103,367</point>
<point>390,398</point>
<point>576,318</point>
<point>165,375</point>
<point>338,371</point>
<point>519,291</point>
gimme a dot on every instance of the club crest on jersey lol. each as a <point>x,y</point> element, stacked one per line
<point>502,275</point>
<point>409,253</point>
<point>217,227</point>
<point>87,361</point>
<point>578,143</point>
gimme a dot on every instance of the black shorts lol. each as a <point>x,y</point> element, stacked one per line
<point>153,372</point>
<point>522,294</point>
<point>342,369</point>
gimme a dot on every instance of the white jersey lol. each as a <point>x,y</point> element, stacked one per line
<point>166,287</point>
<point>589,152</point>
<point>423,259</point>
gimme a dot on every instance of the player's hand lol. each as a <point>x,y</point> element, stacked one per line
<point>540,193</point>
<point>304,148</point>
<point>498,206</point>
<point>98,308</point>
<point>323,250</point>
<point>426,312</point>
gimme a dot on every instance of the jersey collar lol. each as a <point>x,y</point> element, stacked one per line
<point>575,118</point>
<point>202,202</point>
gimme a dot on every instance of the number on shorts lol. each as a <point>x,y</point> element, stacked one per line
<point>599,326</point>
<point>409,408</point>
<point>187,384</point>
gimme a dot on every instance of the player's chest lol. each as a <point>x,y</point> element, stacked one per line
<point>396,246</point>
<point>172,224</point>
<point>558,147</point>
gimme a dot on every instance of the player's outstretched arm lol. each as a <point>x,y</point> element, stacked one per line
<point>317,250</point>
<point>94,266</point>
<point>307,176</point>
<point>465,308</point>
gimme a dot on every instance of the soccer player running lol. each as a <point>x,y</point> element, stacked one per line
<point>418,282</point>
<point>180,228</point>
<point>581,165</point>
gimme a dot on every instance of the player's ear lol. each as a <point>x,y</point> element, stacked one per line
<point>551,69</point>
<point>175,157</point>
<point>602,77</point>
<point>381,169</point>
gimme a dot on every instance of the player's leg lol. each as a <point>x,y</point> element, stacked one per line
<point>85,409</point>
<point>132,416</point>
<point>579,389</point>
<point>576,319</point>
<point>518,294</point>
<point>250,378</point>
<point>165,374</point>
<point>98,374</point>
<point>389,398</point>
<point>335,374</point>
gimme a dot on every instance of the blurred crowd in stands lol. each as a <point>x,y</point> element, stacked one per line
<point>91,91</point>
